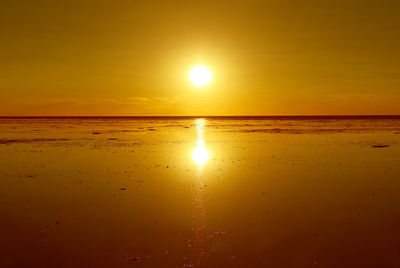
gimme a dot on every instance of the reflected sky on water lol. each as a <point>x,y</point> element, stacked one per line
<point>199,192</point>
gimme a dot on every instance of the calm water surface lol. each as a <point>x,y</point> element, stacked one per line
<point>126,192</point>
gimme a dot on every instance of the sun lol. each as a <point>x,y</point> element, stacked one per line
<point>200,76</point>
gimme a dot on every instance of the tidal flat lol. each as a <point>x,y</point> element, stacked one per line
<point>200,192</point>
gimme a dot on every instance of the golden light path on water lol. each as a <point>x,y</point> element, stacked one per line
<point>199,243</point>
<point>200,154</point>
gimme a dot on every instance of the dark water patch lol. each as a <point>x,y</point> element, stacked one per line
<point>291,131</point>
<point>311,130</point>
<point>177,125</point>
<point>140,129</point>
<point>32,176</point>
<point>380,146</point>
<point>133,259</point>
<point>10,141</point>
<point>128,144</point>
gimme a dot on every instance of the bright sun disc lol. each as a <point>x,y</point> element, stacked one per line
<point>200,76</point>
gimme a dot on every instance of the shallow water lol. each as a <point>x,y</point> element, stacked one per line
<point>159,192</point>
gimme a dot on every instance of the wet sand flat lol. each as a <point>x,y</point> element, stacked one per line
<point>189,192</point>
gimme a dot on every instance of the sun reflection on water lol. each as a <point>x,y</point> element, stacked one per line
<point>199,242</point>
<point>200,154</point>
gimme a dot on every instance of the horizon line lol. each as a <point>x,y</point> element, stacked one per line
<point>362,116</point>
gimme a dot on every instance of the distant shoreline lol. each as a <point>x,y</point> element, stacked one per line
<point>239,117</point>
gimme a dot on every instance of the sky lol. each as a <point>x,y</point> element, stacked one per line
<point>127,58</point>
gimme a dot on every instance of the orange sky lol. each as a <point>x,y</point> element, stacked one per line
<point>133,57</point>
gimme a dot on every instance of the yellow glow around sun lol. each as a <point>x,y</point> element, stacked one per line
<point>200,76</point>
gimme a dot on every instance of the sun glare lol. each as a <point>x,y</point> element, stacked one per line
<point>200,154</point>
<point>200,76</point>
